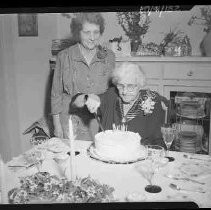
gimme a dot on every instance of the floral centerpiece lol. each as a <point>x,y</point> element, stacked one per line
<point>176,43</point>
<point>135,25</point>
<point>43,187</point>
<point>204,20</point>
<point>149,49</point>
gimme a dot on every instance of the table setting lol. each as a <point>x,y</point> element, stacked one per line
<point>79,178</point>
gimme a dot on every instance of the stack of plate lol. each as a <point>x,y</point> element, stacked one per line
<point>188,141</point>
<point>191,109</point>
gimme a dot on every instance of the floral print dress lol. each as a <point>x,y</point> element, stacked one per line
<point>73,75</point>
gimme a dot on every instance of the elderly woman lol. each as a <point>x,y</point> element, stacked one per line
<point>84,67</point>
<point>129,103</point>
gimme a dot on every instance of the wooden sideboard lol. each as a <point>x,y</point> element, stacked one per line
<point>175,73</point>
<point>166,74</point>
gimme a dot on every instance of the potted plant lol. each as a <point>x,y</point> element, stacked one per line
<point>135,25</point>
<point>205,21</point>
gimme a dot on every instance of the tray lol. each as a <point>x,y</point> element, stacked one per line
<point>92,154</point>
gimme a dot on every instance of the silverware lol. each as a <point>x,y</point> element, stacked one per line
<point>98,120</point>
<point>18,166</point>
<point>189,157</point>
<point>176,187</point>
<point>183,178</point>
<point>22,166</point>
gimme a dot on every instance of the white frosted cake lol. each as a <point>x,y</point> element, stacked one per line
<point>117,145</point>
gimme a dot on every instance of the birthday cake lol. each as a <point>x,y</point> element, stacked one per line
<point>117,145</point>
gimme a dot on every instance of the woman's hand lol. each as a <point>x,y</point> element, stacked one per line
<point>92,103</point>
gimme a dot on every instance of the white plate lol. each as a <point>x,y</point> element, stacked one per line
<point>187,127</point>
<point>55,145</point>
<point>92,153</point>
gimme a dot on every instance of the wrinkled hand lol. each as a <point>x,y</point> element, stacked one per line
<point>92,103</point>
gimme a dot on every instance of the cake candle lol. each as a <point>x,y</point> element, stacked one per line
<point>72,150</point>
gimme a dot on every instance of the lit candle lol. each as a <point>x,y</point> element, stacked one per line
<point>166,114</point>
<point>72,149</point>
<point>4,199</point>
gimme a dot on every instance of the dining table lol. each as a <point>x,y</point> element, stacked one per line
<point>191,173</point>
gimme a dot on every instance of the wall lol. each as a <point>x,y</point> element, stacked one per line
<point>10,142</point>
<point>25,75</point>
<point>161,23</point>
<point>32,66</point>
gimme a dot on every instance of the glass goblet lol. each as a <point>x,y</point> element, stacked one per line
<point>155,155</point>
<point>169,135</point>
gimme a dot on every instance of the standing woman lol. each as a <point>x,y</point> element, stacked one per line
<point>82,68</point>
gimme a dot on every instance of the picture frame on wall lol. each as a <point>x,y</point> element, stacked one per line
<point>27,25</point>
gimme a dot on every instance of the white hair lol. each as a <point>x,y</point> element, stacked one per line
<point>127,68</point>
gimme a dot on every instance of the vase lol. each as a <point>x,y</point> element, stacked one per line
<point>135,43</point>
<point>206,45</point>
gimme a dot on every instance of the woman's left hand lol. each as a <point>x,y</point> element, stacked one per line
<point>92,103</point>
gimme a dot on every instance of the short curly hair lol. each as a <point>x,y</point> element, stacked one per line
<point>128,68</point>
<point>80,18</point>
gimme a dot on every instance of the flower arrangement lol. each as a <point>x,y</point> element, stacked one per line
<point>49,188</point>
<point>148,103</point>
<point>204,20</point>
<point>176,43</point>
<point>149,49</point>
<point>135,24</point>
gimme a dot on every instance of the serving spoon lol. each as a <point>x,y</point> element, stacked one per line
<point>176,187</point>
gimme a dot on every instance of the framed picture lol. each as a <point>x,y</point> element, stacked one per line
<point>27,25</point>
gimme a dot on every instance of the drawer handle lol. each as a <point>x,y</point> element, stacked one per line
<point>190,73</point>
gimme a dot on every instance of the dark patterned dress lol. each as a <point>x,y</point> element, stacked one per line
<point>146,122</point>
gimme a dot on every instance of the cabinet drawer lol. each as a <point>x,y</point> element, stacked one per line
<point>187,71</point>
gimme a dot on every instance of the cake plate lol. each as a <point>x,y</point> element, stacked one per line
<point>92,154</point>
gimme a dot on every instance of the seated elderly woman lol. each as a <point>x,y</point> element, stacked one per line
<point>129,103</point>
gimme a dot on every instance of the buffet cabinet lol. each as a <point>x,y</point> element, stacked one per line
<point>171,76</point>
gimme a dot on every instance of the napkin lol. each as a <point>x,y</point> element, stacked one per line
<point>8,179</point>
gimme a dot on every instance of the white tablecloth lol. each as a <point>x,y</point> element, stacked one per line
<point>126,180</point>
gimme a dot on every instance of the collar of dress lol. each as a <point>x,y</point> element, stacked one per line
<point>77,56</point>
<point>133,111</point>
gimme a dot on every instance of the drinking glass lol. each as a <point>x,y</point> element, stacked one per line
<point>169,135</point>
<point>155,159</point>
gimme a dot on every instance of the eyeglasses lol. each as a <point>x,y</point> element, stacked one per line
<point>129,87</point>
